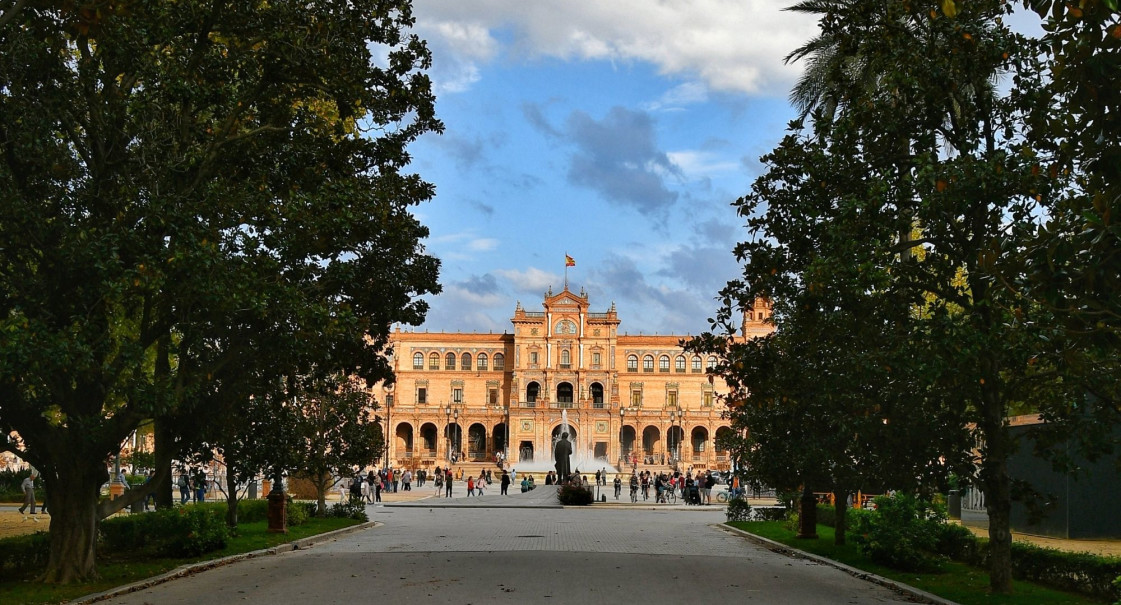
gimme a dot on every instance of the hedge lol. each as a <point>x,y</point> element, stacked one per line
<point>1082,573</point>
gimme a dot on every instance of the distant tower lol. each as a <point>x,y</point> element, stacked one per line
<point>756,318</point>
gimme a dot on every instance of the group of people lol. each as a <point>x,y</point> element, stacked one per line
<point>693,490</point>
<point>191,483</point>
<point>370,486</point>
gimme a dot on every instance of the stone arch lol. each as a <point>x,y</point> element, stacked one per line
<point>403,440</point>
<point>651,437</point>
<point>564,392</point>
<point>597,392</point>
<point>532,391</point>
<point>698,438</point>
<point>429,436</point>
<point>476,442</point>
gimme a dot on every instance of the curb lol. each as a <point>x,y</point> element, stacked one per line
<point>193,568</point>
<point>771,545</point>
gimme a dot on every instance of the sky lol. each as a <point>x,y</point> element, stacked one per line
<point>618,132</point>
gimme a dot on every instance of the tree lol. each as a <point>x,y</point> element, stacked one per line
<point>333,433</point>
<point>935,172</point>
<point>174,176</point>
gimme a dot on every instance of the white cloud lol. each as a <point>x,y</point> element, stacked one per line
<point>729,45</point>
<point>701,164</point>
<point>483,244</point>
<point>532,280</point>
<point>678,96</point>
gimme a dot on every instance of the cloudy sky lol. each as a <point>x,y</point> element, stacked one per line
<point>619,132</point>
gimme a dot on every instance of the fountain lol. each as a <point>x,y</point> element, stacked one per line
<point>583,461</point>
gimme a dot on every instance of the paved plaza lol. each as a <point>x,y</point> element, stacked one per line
<point>465,553</point>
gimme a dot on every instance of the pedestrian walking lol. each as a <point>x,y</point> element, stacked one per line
<point>28,487</point>
<point>470,486</point>
<point>439,483</point>
<point>448,483</point>
<point>184,486</point>
<point>505,481</point>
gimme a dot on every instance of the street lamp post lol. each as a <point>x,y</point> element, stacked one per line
<point>448,433</point>
<point>622,447</point>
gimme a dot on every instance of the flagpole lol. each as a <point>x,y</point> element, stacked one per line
<point>566,270</point>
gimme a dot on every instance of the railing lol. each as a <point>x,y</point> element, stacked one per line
<point>477,456</point>
<point>408,454</point>
<point>599,315</point>
<point>564,366</point>
<point>722,457</point>
<point>428,454</point>
<point>529,404</point>
<point>535,314</point>
<point>599,405</point>
<point>562,405</point>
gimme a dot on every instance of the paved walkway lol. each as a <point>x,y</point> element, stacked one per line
<point>508,554</point>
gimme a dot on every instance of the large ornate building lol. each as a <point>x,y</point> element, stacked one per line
<point>471,397</point>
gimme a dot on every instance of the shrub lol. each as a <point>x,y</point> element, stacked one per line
<point>187,531</point>
<point>22,556</point>
<point>771,513</point>
<point>901,533</point>
<point>1078,572</point>
<point>250,511</point>
<point>738,510</point>
<point>348,510</point>
<point>299,511</point>
<point>190,531</point>
<point>572,495</point>
<point>826,515</point>
<point>957,542</point>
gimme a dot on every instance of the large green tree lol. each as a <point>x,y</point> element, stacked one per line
<point>937,174</point>
<point>176,178</point>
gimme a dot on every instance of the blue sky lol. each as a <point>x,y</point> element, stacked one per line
<point>619,132</point>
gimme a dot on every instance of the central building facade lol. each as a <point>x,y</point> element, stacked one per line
<point>463,398</point>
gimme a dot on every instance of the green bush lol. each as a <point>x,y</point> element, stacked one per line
<point>902,533</point>
<point>738,510</point>
<point>186,531</point>
<point>299,512</point>
<point>1078,572</point>
<point>572,495</point>
<point>957,542</point>
<point>348,510</point>
<point>22,556</point>
<point>250,511</point>
<point>771,513</point>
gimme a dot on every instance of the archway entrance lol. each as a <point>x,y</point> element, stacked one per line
<point>403,447</point>
<point>476,442</point>
<point>525,451</point>
<point>651,453</point>
<point>674,437</point>
<point>498,437</point>
<point>453,436</point>
<point>699,438</point>
<point>629,438</point>
<point>428,433</point>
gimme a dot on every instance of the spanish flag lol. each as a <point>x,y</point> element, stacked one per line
<point>569,261</point>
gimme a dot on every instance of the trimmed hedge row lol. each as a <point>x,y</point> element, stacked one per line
<point>181,532</point>
<point>1082,573</point>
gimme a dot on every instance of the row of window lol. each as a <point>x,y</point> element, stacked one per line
<point>663,363</point>
<point>481,361</point>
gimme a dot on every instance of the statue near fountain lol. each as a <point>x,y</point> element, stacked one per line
<point>562,452</point>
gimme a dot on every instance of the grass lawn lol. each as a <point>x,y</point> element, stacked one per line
<point>119,570</point>
<point>957,582</point>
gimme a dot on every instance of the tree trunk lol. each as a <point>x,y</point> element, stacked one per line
<point>74,517</point>
<point>840,508</point>
<point>231,497</point>
<point>321,494</point>
<point>997,487</point>
<point>807,515</point>
<point>164,453</point>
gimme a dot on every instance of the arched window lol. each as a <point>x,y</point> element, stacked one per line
<point>663,363</point>
<point>531,390</point>
<point>597,392</point>
<point>434,361</point>
<point>566,360</point>
<point>466,365</point>
<point>648,363</point>
<point>632,363</point>
<point>564,392</point>
<point>418,361</point>
<point>697,364</point>
<point>449,361</point>
<point>499,361</point>
<point>711,363</point>
<point>481,362</point>
<point>679,363</point>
